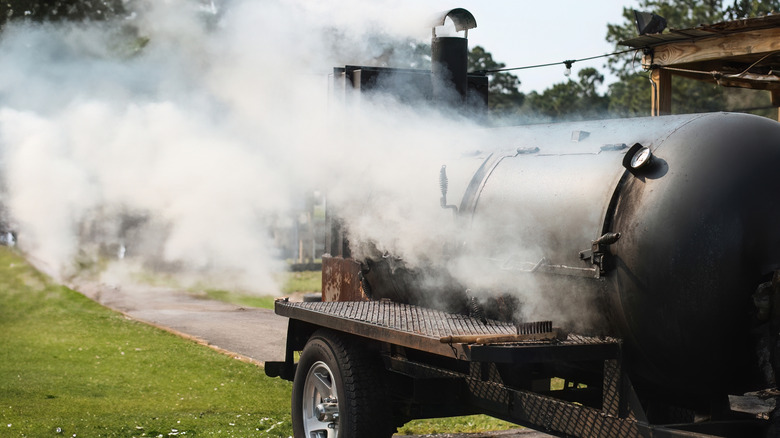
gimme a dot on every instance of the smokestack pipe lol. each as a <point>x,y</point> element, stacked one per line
<point>449,57</point>
<point>449,66</point>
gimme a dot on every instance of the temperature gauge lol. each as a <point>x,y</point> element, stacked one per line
<point>641,157</point>
<point>637,157</point>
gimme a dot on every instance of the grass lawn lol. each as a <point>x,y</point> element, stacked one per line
<point>72,368</point>
<point>69,367</point>
<point>239,299</point>
<point>305,281</point>
<point>467,424</point>
<point>291,282</point>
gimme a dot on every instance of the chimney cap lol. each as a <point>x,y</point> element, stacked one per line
<point>462,19</point>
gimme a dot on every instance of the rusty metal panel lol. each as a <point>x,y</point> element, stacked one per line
<point>340,279</point>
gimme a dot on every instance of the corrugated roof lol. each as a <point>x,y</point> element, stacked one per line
<point>703,31</point>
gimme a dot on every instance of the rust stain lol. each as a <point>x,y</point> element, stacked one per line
<point>340,279</point>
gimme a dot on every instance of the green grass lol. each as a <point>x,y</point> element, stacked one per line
<point>292,282</point>
<point>306,281</point>
<point>238,299</point>
<point>72,368</point>
<point>467,424</point>
<point>69,367</point>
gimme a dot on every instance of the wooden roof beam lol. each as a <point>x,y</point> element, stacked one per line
<point>755,42</point>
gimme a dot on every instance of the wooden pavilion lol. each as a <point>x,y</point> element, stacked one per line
<point>740,53</point>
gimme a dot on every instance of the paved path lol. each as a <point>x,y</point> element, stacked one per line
<point>257,335</point>
<point>251,334</point>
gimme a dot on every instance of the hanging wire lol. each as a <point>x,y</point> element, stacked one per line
<point>566,63</point>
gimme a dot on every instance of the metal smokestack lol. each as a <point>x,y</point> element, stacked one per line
<point>449,65</point>
<point>449,58</point>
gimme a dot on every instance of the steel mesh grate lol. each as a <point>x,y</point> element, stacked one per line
<point>408,318</point>
<point>422,321</point>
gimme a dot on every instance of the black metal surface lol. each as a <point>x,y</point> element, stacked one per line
<point>449,67</point>
<point>422,328</point>
<point>698,233</point>
<point>574,348</point>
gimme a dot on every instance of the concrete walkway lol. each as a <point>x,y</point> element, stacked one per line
<point>252,334</point>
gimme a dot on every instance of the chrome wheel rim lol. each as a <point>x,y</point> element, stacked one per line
<point>320,403</point>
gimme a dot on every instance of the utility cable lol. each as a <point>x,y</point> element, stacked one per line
<point>568,63</point>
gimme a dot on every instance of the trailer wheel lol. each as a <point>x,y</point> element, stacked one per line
<point>339,391</point>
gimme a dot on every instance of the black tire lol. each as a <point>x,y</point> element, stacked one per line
<point>335,374</point>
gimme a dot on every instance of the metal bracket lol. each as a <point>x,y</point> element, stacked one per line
<point>598,250</point>
<point>595,254</point>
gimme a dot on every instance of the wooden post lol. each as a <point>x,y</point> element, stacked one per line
<point>662,92</point>
<point>776,101</point>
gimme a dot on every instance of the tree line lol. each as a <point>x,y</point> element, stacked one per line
<point>59,10</point>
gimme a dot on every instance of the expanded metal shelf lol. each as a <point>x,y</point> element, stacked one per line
<point>422,328</point>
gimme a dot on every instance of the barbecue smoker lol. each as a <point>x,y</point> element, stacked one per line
<point>668,227</point>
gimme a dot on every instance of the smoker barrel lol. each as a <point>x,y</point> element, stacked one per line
<point>700,229</point>
<point>699,225</point>
<point>701,232</point>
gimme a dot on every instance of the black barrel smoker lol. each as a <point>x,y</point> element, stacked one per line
<point>652,244</point>
<point>658,231</point>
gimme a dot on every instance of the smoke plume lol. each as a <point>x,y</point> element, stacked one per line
<point>176,137</point>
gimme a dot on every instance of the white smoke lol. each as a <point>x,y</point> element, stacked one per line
<point>178,136</point>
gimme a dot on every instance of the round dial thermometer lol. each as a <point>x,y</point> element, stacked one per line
<point>640,158</point>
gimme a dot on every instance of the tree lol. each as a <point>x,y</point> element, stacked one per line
<point>689,95</point>
<point>679,14</point>
<point>56,10</point>
<point>630,97</point>
<point>751,8</point>
<point>572,100</point>
<point>504,96</point>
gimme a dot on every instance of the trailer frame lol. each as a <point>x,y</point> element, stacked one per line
<point>435,378</point>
